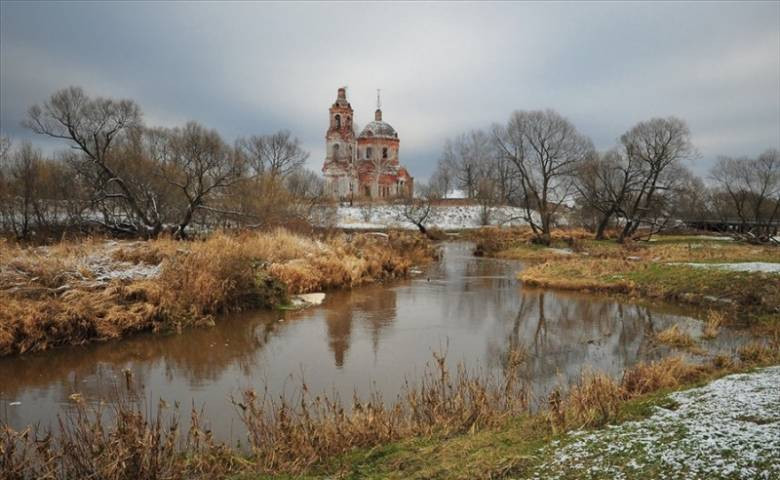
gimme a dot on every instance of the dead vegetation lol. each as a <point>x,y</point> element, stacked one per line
<point>292,436</point>
<point>73,293</point>
<point>674,336</point>
<point>317,434</point>
<point>715,320</point>
<point>284,435</point>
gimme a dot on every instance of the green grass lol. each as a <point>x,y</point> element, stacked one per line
<point>754,293</point>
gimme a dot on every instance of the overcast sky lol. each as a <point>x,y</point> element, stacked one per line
<point>443,68</point>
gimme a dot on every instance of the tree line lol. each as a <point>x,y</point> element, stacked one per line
<point>128,178</point>
<point>540,162</point>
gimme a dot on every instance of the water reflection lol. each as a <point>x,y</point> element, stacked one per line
<point>371,337</point>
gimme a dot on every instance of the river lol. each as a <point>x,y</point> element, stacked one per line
<point>367,339</point>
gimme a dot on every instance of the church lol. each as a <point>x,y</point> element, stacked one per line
<point>365,166</point>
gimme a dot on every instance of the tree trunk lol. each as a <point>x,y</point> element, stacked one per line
<point>602,226</point>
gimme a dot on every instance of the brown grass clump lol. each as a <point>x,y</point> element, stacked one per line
<point>594,400</point>
<point>714,321</point>
<point>759,353</point>
<point>674,336</point>
<point>581,274</point>
<point>667,373</point>
<point>597,398</point>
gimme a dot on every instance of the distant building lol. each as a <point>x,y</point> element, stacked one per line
<point>366,166</point>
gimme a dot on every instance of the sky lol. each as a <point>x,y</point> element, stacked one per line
<point>443,68</point>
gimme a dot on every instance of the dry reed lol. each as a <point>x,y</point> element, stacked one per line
<point>676,337</point>
<point>715,320</point>
<point>292,436</point>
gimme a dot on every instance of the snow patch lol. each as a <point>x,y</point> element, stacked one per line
<point>766,267</point>
<point>307,300</point>
<point>727,429</point>
<point>379,217</point>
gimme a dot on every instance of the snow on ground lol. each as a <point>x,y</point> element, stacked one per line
<point>442,217</point>
<point>727,429</point>
<point>766,267</point>
<point>703,237</point>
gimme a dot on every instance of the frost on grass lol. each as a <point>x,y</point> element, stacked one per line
<point>729,429</point>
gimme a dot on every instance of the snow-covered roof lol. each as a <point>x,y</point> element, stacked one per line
<point>378,128</point>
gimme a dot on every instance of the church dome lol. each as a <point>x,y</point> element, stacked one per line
<point>378,128</point>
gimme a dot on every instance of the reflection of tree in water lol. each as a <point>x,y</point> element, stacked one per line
<point>199,355</point>
<point>566,334</point>
<point>374,307</point>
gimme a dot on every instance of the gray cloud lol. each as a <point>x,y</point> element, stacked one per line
<point>248,68</point>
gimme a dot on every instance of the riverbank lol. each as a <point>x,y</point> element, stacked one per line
<point>458,425</point>
<point>739,279</point>
<point>75,293</point>
<point>735,416</point>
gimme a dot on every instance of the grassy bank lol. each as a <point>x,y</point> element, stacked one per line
<point>658,270</point>
<point>460,425</point>
<point>749,296</point>
<point>74,293</point>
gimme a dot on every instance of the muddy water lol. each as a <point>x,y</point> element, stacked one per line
<point>368,338</point>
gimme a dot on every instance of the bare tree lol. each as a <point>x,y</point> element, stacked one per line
<point>546,149</point>
<point>200,166</point>
<point>752,186</point>
<point>441,180</point>
<point>466,157</point>
<point>5,148</point>
<point>92,126</point>
<point>277,155</point>
<point>603,182</point>
<point>653,146</point>
<point>504,179</point>
<point>25,173</point>
<point>488,197</point>
<point>418,209</point>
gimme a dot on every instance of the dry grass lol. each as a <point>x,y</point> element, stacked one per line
<point>120,444</point>
<point>491,240</point>
<point>71,293</point>
<point>759,353</point>
<point>597,398</point>
<point>578,274</point>
<point>284,436</point>
<point>318,434</point>
<point>292,436</point>
<point>715,320</point>
<point>670,372</point>
<point>674,336</point>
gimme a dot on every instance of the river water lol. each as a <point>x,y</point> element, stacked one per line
<point>367,339</point>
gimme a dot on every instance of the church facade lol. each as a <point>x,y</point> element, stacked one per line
<point>366,165</point>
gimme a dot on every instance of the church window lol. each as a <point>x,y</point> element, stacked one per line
<point>369,152</point>
<point>338,121</point>
<point>384,153</point>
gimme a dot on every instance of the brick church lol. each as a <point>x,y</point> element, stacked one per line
<point>366,166</point>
